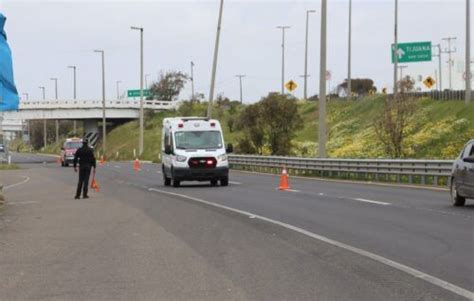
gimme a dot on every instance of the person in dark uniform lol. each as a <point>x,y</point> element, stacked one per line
<point>86,159</point>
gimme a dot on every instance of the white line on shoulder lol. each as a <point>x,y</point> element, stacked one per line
<point>372,202</point>
<point>401,267</point>
<point>17,184</point>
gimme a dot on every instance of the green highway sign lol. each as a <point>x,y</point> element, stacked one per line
<point>413,52</point>
<point>136,93</point>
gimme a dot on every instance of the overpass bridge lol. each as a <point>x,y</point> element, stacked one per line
<point>89,111</point>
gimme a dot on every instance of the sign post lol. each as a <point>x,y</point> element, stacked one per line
<point>413,52</point>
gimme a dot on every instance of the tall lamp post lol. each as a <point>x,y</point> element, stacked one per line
<point>74,95</point>
<point>283,29</point>
<point>240,76</point>
<point>45,133</point>
<point>56,97</point>
<point>306,55</point>
<point>214,63</point>
<point>322,83</point>
<point>468,76</point>
<point>140,139</point>
<point>104,120</point>
<point>349,55</point>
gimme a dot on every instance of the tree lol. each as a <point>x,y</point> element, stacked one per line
<point>280,120</point>
<point>271,122</point>
<point>360,86</point>
<point>249,122</point>
<point>169,86</point>
<point>391,125</point>
<point>406,84</point>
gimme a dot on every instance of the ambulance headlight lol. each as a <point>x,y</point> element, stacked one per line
<point>222,158</point>
<point>180,158</point>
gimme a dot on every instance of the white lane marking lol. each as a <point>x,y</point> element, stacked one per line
<point>117,166</point>
<point>292,190</point>
<point>17,184</point>
<point>235,183</point>
<point>401,267</point>
<point>21,203</point>
<point>371,202</point>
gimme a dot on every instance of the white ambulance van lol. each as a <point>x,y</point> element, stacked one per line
<point>193,149</point>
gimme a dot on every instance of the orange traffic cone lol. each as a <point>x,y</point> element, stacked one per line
<point>136,165</point>
<point>284,183</point>
<point>102,160</point>
<point>95,184</point>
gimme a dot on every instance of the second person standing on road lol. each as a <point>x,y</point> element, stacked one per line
<point>86,158</point>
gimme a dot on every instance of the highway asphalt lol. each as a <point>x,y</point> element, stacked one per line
<point>256,259</point>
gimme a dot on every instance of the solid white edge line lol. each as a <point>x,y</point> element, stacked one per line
<point>235,183</point>
<point>401,267</point>
<point>372,202</point>
<point>17,184</point>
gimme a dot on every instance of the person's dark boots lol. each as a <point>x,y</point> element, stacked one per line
<point>77,197</point>
<point>85,197</point>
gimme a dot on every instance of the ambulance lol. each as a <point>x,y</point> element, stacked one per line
<point>193,149</point>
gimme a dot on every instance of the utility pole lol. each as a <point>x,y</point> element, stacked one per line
<point>45,133</point>
<point>349,54</point>
<point>306,55</point>
<point>468,52</point>
<point>240,76</point>
<point>440,72</point>
<point>140,140</point>
<point>322,83</point>
<point>214,64</point>
<point>74,96</point>
<point>146,80</point>
<point>56,97</point>
<point>450,61</point>
<point>395,53</point>
<point>118,88</point>
<point>192,80</point>
<point>283,28</point>
<point>401,70</point>
<point>104,120</point>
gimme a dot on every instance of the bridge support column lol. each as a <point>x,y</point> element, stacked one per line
<point>57,131</point>
<point>91,131</point>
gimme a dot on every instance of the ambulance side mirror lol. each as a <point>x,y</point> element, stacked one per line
<point>230,148</point>
<point>168,150</point>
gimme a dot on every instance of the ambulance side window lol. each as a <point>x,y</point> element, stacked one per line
<point>168,140</point>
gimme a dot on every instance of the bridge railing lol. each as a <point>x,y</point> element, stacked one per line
<point>425,172</point>
<point>87,104</point>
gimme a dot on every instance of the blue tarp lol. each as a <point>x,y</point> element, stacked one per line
<point>8,94</point>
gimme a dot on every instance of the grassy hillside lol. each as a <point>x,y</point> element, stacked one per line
<point>437,130</point>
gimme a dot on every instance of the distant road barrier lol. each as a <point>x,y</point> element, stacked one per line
<point>87,104</point>
<point>424,172</point>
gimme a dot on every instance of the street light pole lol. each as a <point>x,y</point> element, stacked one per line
<point>214,64</point>
<point>450,61</point>
<point>395,53</point>
<point>104,120</point>
<point>283,29</point>
<point>240,76</point>
<point>118,89</point>
<point>192,80</point>
<point>440,72</point>
<point>74,95</point>
<point>322,83</point>
<point>56,97</point>
<point>306,55</point>
<point>140,139</point>
<point>349,54</point>
<point>468,76</point>
<point>45,133</point>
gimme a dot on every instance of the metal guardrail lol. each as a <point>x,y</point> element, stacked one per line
<point>87,104</point>
<point>411,171</point>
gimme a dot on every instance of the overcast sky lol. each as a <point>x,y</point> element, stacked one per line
<point>47,36</point>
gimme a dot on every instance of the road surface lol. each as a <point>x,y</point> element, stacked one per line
<point>139,240</point>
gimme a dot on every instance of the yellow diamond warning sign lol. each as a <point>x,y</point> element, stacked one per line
<point>429,82</point>
<point>291,86</point>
